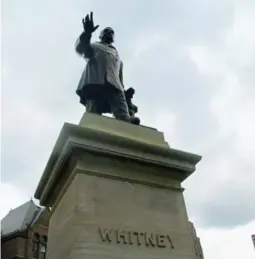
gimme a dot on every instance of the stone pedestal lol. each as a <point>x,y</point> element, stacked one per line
<point>115,192</point>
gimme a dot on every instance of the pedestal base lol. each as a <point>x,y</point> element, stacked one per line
<point>115,191</point>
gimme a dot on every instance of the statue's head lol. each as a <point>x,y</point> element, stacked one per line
<point>107,35</point>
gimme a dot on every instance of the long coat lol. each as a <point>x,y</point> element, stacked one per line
<point>102,72</point>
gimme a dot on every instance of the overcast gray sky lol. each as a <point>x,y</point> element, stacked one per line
<point>192,64</point>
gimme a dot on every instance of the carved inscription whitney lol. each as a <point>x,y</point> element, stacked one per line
<point>135,238</point>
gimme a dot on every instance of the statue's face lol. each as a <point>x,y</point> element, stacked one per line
<point>107,35</point>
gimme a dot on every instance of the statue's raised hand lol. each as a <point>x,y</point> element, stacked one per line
<point>88,24</point>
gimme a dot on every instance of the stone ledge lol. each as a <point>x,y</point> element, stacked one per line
<point>102,140</point>
<point>123,129</point>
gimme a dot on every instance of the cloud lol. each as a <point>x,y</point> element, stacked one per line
<point>234,243</point>
<point>16,197</point>
<point>192,65</point>
<point>231,152</point>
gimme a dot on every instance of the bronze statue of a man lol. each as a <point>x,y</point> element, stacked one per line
<point>101,87</point>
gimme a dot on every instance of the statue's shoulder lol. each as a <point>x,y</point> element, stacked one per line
<point>99,45</point>
<point>95,45</point>
<point>105,48</point>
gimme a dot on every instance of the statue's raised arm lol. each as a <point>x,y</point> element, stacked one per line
<point>82,45</point>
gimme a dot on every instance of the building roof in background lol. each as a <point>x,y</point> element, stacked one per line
<point>20,218</point>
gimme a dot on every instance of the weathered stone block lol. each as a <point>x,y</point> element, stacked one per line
<point>115,192</point>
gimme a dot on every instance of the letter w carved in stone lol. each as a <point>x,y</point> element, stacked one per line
<point>105,235</point>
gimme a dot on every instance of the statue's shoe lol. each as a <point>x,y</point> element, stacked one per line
<point>135,120</point>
